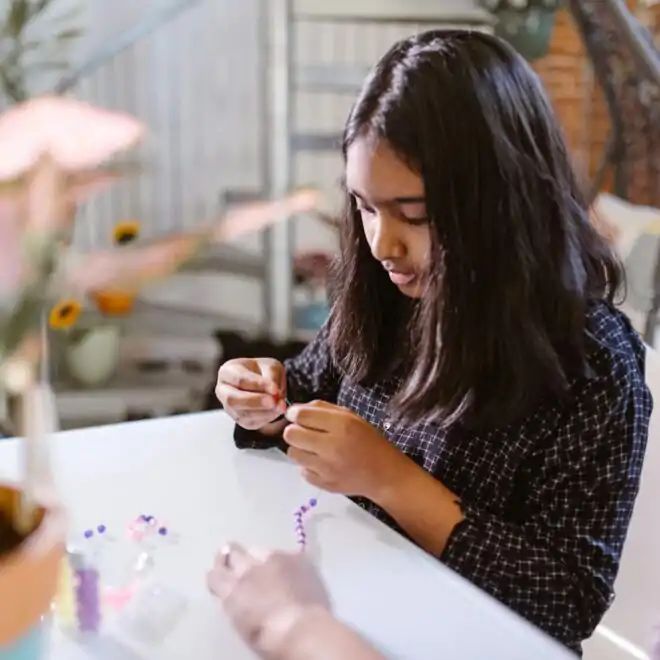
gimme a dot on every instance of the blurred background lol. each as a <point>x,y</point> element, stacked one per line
<point>246,100</point>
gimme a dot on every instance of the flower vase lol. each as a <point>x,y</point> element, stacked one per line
<point>29,567</point>
<point>92,354</point>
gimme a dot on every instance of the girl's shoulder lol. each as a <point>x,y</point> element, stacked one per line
<point>614,349</point>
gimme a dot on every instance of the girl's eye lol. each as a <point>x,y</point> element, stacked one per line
<point>417,221</point>
<point>414,214</point>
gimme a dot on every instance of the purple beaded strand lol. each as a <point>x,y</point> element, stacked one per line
<point>299,515</point>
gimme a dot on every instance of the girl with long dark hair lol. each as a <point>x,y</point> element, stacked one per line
<point>474,387</point>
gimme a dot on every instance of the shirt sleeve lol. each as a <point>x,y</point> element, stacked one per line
<point>310,375</point>
<point>556,564</point>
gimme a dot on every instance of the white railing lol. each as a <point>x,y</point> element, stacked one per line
<point>199,98</point>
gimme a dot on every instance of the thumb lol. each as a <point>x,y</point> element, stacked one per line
<point>274,372</point>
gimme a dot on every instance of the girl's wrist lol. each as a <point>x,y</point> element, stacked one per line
<point>284,633</point>
<point>398,471</point>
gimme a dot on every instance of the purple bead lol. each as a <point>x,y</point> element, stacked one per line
<point>101,529</point>
<point>313,502</point>
<point>303,509</point>
<point>162,531</point>
<point>89,533</point>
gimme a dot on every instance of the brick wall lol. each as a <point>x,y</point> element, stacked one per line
<point>577,98</point>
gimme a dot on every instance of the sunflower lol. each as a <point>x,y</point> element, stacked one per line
<point>126,232</point>
<point>64,314</point>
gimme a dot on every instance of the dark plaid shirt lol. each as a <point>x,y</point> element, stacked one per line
<point>547,502</point>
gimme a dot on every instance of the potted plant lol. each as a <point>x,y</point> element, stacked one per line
<point>53,154</point>
<point>526,24</point>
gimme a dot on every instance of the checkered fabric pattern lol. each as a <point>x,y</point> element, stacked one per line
<point>547,502</point>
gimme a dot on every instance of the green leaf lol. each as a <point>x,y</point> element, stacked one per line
<point>18,17</point>
<point>77,334</point>
<point>13,87</point>
<point>47,66</point>
<point>39,6</point>
<point>68,35</point>
<point>26,317</point>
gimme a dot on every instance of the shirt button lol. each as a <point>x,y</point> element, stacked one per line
<point>387,426</point>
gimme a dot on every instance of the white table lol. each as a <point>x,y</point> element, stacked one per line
<point>186,470</point>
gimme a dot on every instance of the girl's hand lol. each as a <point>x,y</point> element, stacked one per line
<point>340,452</point>
<point>266,596</point>
<point>252,391</point>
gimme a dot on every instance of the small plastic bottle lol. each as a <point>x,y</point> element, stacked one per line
<point>88,593</point>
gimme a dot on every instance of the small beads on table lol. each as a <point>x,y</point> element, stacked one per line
<point>301,534</point>
<point>145,526</point>
<point>89,533</point>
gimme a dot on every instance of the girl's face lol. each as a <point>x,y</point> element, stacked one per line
<point>390,199</point>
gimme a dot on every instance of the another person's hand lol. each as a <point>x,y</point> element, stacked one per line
<point>252,390</point>
<point>266,596</point>
<point>342,453</point>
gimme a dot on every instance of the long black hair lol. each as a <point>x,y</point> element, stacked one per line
<point>515,259</point>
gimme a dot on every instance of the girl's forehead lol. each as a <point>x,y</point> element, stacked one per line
<point>374,171</point>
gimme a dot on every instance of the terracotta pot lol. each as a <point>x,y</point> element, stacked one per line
<point>28,578</point>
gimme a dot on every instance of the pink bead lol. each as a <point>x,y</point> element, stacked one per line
<point>117,598</point>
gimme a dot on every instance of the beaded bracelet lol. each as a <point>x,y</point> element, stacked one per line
<point>299,517</point>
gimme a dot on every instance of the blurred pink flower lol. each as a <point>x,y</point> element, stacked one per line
<point>131,268</point>
<point>260,215</point>
<point>50,150</point>
<point>77,136</point>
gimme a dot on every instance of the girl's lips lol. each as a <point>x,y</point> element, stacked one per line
<point>401,279</point>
